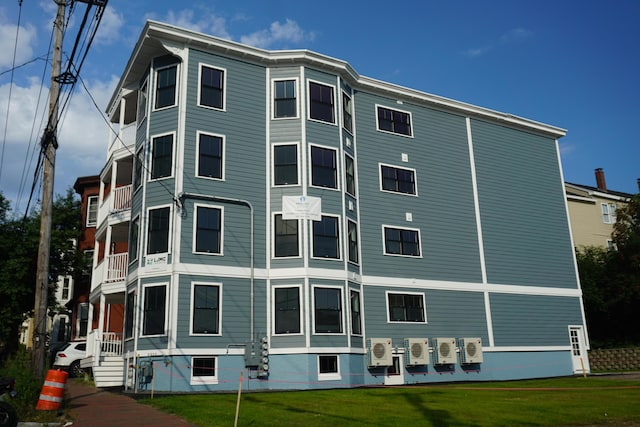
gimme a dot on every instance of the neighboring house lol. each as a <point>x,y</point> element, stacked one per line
<point>592,211</point>
<point>276,214</point>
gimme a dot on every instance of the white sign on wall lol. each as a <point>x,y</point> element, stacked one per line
<point>302,207</point>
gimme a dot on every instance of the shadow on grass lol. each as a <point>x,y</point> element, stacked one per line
<point>435,417</point>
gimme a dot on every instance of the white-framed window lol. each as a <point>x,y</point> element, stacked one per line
<point>393,121</point>
<point>138,166</point>
<point>347,112</point>
<point>141,112</point>
<point>66,287</point>
<point>406,307</point>
<point>326,237</point>
<point>158,230</point>
<point>401,241</point>
<point>204,370</point>
<point>356,312</point>
<point>154,309</point>
<point>206,304</point>
<point>287,312</point>
<point>321,102</point>
<point>129,314</point>
<point>285,99</point>
<point>134,236</point>
<point>286,241</point>
<point>352,241</point>
<point>162,156</point>
<point>210,157</point>
<point>608,213</point>
<point>324,167</point>
<point>327,310</point>
<point>328,367</point>
<point>286,166</point>
<point>397,180</point>
<point>350,175</point>
<point>166,87</point>
<point>92,211</point>
<point>82,320</point>
<point>208,229</point>
<point>212,83</point>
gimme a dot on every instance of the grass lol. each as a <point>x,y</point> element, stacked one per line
<point>550,402</point>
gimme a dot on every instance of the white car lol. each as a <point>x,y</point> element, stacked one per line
<point>68,358</point>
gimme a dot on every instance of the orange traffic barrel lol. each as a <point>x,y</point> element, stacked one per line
<point>52,391</point>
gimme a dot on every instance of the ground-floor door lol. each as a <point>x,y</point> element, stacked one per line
<point>579,357</point>
<point>395,372</point>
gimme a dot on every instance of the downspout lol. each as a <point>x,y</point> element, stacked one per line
<point>205,197</point>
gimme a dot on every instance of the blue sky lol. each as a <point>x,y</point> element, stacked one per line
<point>572,64</point>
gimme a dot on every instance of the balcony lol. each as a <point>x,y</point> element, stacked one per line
<point>127,138</point>
<point>110,274</point>
<point>117,201</point>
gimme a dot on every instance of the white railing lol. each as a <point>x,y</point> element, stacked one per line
<point>122,198</point>
<point>117,267</point>
<point>127,138</point>
<point>104,344</point>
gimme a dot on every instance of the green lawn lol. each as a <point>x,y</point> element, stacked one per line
<point>551,402</point>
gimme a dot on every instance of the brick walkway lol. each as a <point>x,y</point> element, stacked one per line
<point>92,407</point>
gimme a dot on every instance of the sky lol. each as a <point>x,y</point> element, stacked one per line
<point>573,64</point>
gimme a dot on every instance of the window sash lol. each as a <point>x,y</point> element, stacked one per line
<point>323,167</point>
<point>166,87</point>
<point>350,175</point>
<point>326,235</point>
<point>353,241</point>
<point>287,310</point>
<point>321,106</point>
<point>398,180</point>
<point>406,308</point>
<point>212,87</point>
<point>129,314</point>
<point>328,310</point>
<point>286,237</point>
<point>206,309</point>
<point>285,164</point>
<point>134,233</point>
<point>285,102</point>
<point>158,231</point>
<point>154,310</point>
<point>210,156</point>
<point>400,241</point>
<point>162,157</point>
<point>203,367</point>
<point>328,364</point>
<point>92,211</point>
<point>356,316</point>
<point>208,229</point>
<point>394,121</point>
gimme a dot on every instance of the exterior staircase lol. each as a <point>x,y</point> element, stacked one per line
<point>104,358</point>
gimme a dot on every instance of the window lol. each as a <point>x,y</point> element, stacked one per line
<point>162,157</point>
<point>328,310</point>
<point>166,87</point>
<point>352,237</point>
<point>158,233</point>
<point>394,121</point>
<point>134,232</point>
<point>203,370</point>
<point>326,243</point>
<point>323,167</point>
<point>285,164</point>
<point>321,102</point>
<point>83,320</point>
<point>210,148</point>
<point>284,99</point>
<point>92,211</point>
<point>356,316</point>
<point>287,310</point>
<point>406,307</point>
<point>350,175</point>
<point>328,368</point>
<point>87,262</point>
<point>286,237</point>
<point>129,314</point>
<point>142,103</point>
<point>66,287</point>
<point>398,241</point>
<point>398,180</point>
<point>208,230</point>
<point>611,246</point>
<point>608,213</point>
<point>347,113</point>
<point>154,310</point>
<point>206,309</point>
<point>211,87</point>
<point>137,169</point>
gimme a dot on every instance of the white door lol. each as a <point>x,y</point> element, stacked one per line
<point>579,356</point>
<point>395,372</point>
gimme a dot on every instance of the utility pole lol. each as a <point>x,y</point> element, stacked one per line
<point>49,145</point>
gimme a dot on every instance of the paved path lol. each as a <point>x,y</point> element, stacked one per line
<point>92,407</point>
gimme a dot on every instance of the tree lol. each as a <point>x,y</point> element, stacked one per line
<point>18,260</point>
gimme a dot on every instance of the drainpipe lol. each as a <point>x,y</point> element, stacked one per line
<point>210,198</point>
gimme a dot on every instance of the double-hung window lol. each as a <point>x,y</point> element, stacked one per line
<point>134,233</point>
<point>129,314</point>
<point>154,312</point>
<point>327,304</point>
<point>326,238</point>
<point>394,121</point>
<point>92,211</point>
<point>324,172</point>
<point>211,87</point>
<point>401,241</point>
<point>287,310</point>
<point>141,113</point>
<point>350,175</point>
<point>397,180</point>
<point>608,213</point>
<point>166,87</point>
<point>285,104</point>
<point>286,237</point>
<point>210,156</point>
<point>206,309</point>
<point>321,102</point>
<point>208,230</point>
<point>138,163</point>
<point>285,164</point>
<point>352,237</point>
<point>162,156</point>
<point>347,112</point>
<point>406,307</point>
<point>356,315</point>
<point>158,231</point>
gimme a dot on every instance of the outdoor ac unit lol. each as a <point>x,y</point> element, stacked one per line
<point>470,350</point>
<point>379,352</point>
<point>444,350</point>
<point>416,351</point>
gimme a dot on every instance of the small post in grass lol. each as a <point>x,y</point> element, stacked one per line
<point>584,371</point>
<point>235,423</point>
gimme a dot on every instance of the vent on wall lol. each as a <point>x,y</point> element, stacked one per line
<point>444,350</point>
<point>379,352</point>
<point>470,350</point>
<point>416,351</point>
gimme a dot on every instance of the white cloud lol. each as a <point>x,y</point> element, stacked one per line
<point>513,36</point>
<point>110,27</point>
<point>203,21</point>
<point>27,37</point>
<point>280,33</point>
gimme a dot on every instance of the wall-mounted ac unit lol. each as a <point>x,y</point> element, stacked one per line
<point>444,351</point>
<point>416,351</point>
<point>470,350</point>
<point>379,352</point>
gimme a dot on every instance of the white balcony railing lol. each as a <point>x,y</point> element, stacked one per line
<point>117,267</point>
<point>104,344</point>
<point>122,198</point>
